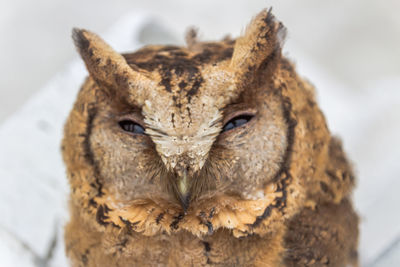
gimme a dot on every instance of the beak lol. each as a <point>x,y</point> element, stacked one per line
<point>184,190</point>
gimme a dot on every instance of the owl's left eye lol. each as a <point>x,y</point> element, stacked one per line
<point>237,122</point>
<point>131,126</point>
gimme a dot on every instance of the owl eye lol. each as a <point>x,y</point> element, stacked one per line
<point>237,122</point>
<point>131,126</point>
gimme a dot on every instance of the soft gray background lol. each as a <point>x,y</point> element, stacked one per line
<point>349,49</point>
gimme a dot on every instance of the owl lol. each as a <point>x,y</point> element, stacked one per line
<point>211,154</point>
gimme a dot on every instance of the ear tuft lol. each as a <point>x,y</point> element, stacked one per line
<point>80,41</point>
<point>107,67</point>
<point>263,37</point>
<point>191,37</point>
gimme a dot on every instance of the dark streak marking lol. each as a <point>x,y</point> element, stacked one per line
<point>178,53</point>
<point>212,212</point>
<point>93,203</point>
<point>175,223</point>
<point>101,216</point>
<point>128,224</point>
<point>195,88</point>
<point>182,85</point>
<point>210,227</point>
<point>207,246</point>
<point>190,115</point>
<point>173,119</point>
<point>283,173</point>
<point>205,56</point>
<point>286,65</point>
<point>84,257</point>
<point>207,249</point>
<point>86,143</point>
<point>280,203</point>
<point>287,111</point>
<point>166,81</point>
<point>124,242</point>
<point>324,187</point>
<point>171,48</point>
<point>120,246</point>
<point>88,153</point>
<point>115,225</point>
<point>226,54</point>
<point>178,62</point>
<point>204,220</point>
<point>80,41</point>
<point>159,218</point>
<point>331,175</point>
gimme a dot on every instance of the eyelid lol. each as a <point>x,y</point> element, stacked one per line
<point>250,112</point>
<point>132,117</point>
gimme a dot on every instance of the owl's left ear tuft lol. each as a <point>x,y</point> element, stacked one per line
<point>103,63</point>
<point>80,41</point>
<point>108,68</point>
<point>262,39</point>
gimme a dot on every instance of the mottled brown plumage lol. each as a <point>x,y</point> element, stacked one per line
<point>235,167</point>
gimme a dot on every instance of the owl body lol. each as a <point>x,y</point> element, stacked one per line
<point>213,154</point>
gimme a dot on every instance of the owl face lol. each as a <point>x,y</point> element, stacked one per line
<point>183,123</point>
<point>167,134</point>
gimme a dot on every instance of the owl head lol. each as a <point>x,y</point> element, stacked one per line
<point>211,135</point>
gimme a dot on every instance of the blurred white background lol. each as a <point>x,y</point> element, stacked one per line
<point>349,49</point>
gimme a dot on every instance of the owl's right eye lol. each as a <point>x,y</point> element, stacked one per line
<point>131,127</point>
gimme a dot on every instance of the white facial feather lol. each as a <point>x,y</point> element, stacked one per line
<point>195,145</point>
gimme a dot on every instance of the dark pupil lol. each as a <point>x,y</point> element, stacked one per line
<point>236,122</point>
<point>131,127</point>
